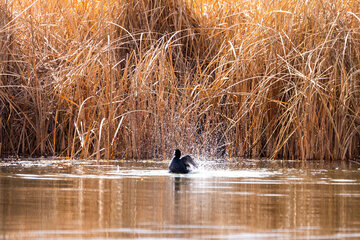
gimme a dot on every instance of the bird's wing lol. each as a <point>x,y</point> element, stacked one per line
<point>187,159</point>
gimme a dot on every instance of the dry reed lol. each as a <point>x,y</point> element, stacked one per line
<point>135,79</point>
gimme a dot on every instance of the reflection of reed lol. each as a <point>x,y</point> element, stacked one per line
<point>304,207</point>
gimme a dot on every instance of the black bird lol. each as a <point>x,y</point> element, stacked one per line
<point>180,165</point>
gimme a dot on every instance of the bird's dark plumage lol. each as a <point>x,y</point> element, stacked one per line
<point>180,165</point>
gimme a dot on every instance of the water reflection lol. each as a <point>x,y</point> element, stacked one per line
<point>116,200</point>
<point>177,184</point>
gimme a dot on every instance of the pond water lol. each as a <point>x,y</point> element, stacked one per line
<point>63,199</point>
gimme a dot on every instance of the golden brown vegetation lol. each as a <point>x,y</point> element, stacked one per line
<point>135,79</point>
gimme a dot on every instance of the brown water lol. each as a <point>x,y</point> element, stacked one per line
<point>52,199</point>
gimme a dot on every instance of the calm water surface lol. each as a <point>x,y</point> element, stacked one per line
<point>59,199</point>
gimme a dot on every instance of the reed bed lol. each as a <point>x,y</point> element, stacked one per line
<point>136,79</point>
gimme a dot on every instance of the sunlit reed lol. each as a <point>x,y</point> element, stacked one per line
<point>136,79</point>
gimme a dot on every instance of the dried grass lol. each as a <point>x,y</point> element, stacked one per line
<point>135,79</point>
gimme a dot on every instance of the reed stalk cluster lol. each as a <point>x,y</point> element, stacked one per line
<point>138,78</point>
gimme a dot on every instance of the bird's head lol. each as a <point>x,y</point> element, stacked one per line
<point>177,153</point>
